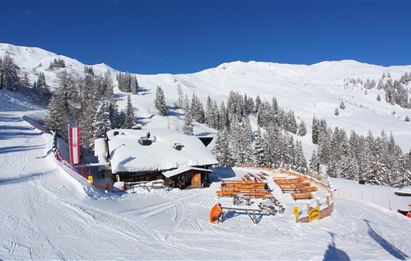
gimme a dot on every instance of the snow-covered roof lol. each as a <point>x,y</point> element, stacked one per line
<point>128,155</point>
<point>180,170</point>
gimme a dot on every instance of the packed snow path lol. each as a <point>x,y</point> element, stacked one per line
<point>46,214</point>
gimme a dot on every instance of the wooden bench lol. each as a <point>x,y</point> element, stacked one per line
<point>243,190</point>
<point>246,194</point>
<point>237,181</point>
<point>308,189</point>
<point>297,196</point>
<point>246,186</point>
<point>293,186</point>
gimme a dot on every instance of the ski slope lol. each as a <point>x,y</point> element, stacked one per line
<point>45,213</point>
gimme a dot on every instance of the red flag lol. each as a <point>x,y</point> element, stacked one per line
<point>74,145</point>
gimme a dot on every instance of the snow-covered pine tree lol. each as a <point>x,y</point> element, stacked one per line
<point>180,101</point>
<point>257,103</point>
<point>160,102</point>
<point>9,74</point>
<point>133,85</point>
<point>342,105</point>
<point>62,105</point>
<point>302,130</point>
<point>214,117</point>
<point>25,82</point>
<point>315,131</point>
<point>197,109</point>
<point>107,86</point>
<point>223,117</point>
<point>101,123</point>
<point>291,123</point>
<point>378,97</point>
<point>289,151</point>
<point>89,70</point>
<point>208,112</point>
<point>299,159</point>
<point>314,162</point>
<point>336,112</point>
<point>130,118</point>
<point>222,149</point>
<point>259,149</point>
<point>188,123</point>
<point>57,63</point>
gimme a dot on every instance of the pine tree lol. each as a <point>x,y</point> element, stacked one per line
<point>101,123</point>
<point>107,86</point>
<point>259,149</point>
<point>133,85</point>
<point>197,109</point>
<point>188,123</point>
<point>9,72</point>
<point>160,102</point>
<point>302,130</point>
<point>25,82</point>
<point>299,159</point>
<point>315,131</point>
<point>223,117</point>
<point>336,112</point>
<point>62,105</point>
<point>130,118</point>
<point>378,97</point>
<point>342,105</point>
<point>314,162</point>
<point>223,151</point>
<point>180,102</point>
<point>57,63</point>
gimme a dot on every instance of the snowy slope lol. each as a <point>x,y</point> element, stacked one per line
<point>47,214</point>
<point>307,89</point>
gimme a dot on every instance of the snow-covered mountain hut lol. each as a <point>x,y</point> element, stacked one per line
<point>144,155</point>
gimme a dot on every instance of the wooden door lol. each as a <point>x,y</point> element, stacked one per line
<point>196,180</point>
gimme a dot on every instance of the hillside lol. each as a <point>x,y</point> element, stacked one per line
<point>47,213</point>
<point>307,89</point>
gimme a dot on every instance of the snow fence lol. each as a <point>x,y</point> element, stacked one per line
<point>60,161</point>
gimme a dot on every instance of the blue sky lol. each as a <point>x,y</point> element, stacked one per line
<point>188,36</point>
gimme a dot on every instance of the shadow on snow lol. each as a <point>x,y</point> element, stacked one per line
<point>333,253</point>
<point>390,248</point>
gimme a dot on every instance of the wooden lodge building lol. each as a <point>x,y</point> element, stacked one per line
<point>145,155</point>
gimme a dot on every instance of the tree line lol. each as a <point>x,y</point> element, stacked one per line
<point>376,160</point>
<point>395,90</point>
<point>87,102</point>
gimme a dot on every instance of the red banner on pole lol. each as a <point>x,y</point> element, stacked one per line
<point>74,145</point>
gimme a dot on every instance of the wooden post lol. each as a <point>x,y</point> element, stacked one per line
<point>328,199</point>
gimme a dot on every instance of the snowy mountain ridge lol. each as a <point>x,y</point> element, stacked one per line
<point>309,90</point>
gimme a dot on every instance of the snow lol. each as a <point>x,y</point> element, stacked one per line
<point>100,150</point>
<point>127,154</point>
<point>48,212</point>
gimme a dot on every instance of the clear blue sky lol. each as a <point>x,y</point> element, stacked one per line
<point>188,36</point>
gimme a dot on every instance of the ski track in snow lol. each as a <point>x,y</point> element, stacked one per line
<point>46,214</point>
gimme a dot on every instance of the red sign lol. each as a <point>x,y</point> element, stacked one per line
<point>74,145</point>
